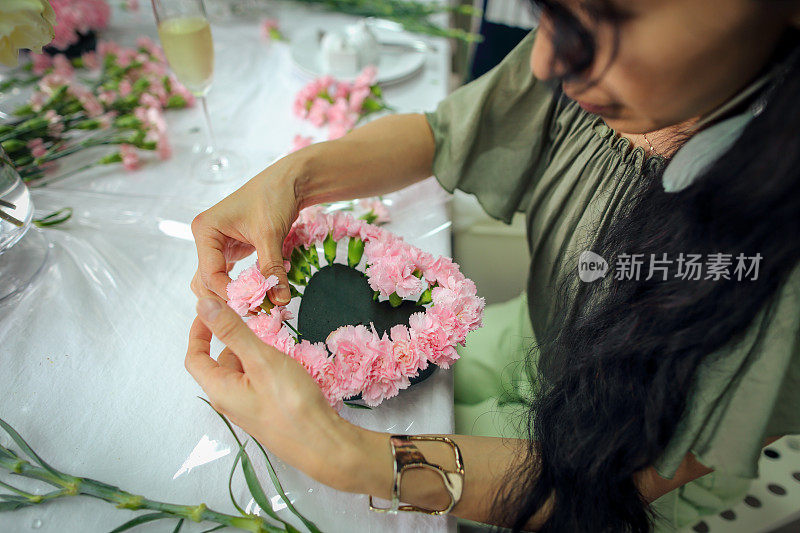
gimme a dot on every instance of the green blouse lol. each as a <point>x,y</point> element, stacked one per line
<point>505,139</point>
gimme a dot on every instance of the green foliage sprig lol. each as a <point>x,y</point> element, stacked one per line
<point>67,486</point>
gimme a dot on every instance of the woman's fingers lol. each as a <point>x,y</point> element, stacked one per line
<point>234,333</point>
<point>228,359</point>
<point>206,372</point>
<point>210,256</point>
<point>199,288</point>
<point>270,260</point>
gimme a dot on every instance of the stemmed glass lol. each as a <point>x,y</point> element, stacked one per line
<point>186,38</point>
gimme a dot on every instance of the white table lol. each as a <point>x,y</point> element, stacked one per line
<point>92,358</point>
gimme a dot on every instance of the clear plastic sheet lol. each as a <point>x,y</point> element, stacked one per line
<point>91,365</point>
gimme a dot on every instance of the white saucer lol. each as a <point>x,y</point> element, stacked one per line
<point>402,55</point>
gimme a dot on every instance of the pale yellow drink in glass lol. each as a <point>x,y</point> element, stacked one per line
<point>190,51</point>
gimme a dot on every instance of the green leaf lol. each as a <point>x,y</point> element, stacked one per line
<point>139,520</point>
<point>178,526</point>
<point>256,490</point>
<point>12,506</point>
<point>357,406</point>
<point>109,159</point>
<point>329,245</point>
<point>222,417</point>
<point>27,449</point>
<point>355,250</point>
<point>312,527</point>
<point>23,110</point>
<point>176,101</point>
<point>13,489</point>
<point>217,528</point>
<point>13,498</point>
<point>369,217</point>
<point>127,122</point>
<point>230,481</point>
<point>55,218</point>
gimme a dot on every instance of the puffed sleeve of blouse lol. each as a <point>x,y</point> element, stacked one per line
<point>747,392</point>
<point>492,135</point>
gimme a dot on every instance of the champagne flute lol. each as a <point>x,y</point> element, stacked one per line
<point>186,38</point>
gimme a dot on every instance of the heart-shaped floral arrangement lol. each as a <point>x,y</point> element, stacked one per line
<point>367,329</point>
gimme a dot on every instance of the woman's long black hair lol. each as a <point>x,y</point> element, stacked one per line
<point>615,377</point>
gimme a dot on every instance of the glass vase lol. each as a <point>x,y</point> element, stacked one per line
<point>23,249</point>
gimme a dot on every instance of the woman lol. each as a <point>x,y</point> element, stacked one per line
<point>637,385</point>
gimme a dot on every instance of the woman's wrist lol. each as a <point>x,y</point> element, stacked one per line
<point>306,170</point>
<point>361,462</point>
<point>357,460</point>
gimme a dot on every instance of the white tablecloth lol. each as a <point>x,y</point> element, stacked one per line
<point>92,358</point>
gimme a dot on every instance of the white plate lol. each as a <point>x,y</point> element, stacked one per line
<point>395,64</point>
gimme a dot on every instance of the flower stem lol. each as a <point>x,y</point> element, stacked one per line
<point>43,182</point>
<point>78,486</point>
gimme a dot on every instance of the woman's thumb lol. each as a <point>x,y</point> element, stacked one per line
<point>270,262</point>
<point>230,329</point>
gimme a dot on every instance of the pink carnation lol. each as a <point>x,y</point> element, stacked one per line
<point>300,142</point>
<point>377,208</point>
<point>311,356</point>
<point>37,148</point>
<point>325,376</point>
<point>268,27</point>
<point>62,66</point>
<point>432,340</point>
<point>91,61</point>
<point>394,274</point>
<point>247,292</point>
<point>357,98</point>
<point>337,131</point>
<point>342,90</point>
<point>318,113</point>
<point>130,158</point>
<point>74,17</point>
<point>163,147</point>
<point>385,379</point>
<point>55,123</point>
<point>408,358</point>
<point>441,270</point>
<point>267,325</point>
<point>41,62</point>
<point>338,111</point>
<point>354,353</point>
<point>366,78</point>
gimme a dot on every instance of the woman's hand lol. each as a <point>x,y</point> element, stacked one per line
<point>272,397</point>
<point>382,156</point>
<point>257,218</point>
